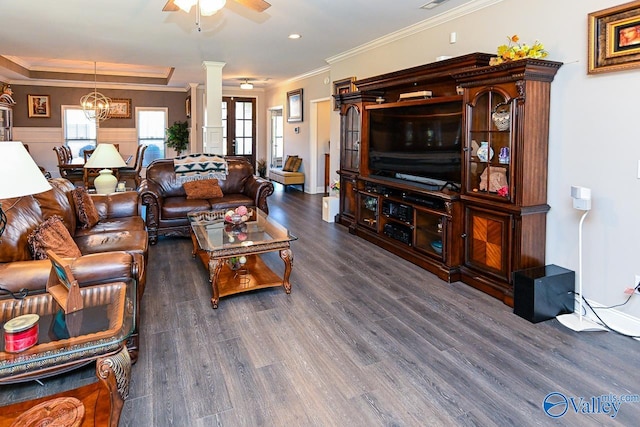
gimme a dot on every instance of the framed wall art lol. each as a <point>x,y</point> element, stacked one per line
<point>120,108</point>
<point>187,107</point>
<point>614,38</point>
<point>39,105</point>
<point>343,86</point>
<point>294,106</point>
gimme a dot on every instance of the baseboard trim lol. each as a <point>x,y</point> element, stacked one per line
<point>617,320</point>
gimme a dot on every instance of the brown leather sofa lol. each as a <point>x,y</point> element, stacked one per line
<point>167,204</point>
<point>115,249</point>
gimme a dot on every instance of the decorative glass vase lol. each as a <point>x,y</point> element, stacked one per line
<point>485,153</point>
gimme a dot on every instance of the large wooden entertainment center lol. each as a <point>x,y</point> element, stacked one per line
<point>477,136</point>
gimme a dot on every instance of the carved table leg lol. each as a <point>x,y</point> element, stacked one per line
<point>215,265</point>
<point>287,257</point>
<point>114,372</point>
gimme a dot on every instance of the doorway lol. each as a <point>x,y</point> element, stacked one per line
<point>239,127</point>
<point>276,140</point>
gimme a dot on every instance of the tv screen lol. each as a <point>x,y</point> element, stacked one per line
<point>420,142</point>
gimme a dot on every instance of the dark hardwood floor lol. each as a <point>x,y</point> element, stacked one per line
<point>364,339</point>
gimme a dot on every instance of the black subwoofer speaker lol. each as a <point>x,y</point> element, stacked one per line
<point>542,293</point>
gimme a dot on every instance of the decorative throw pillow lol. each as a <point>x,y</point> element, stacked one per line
<point>85,209</point>
<point>288,164</point>
<point>202,189</point>
<point>296,165</point>
<point>52,235</point>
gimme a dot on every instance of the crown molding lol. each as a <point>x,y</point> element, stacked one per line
<point>440,19</point>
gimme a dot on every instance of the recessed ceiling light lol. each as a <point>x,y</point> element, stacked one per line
<point>294,36</point>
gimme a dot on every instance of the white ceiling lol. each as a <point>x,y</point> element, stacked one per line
<point>136,37</point>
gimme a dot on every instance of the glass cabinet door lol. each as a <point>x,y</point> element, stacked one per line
<point>489,145</point>
<point>368,211</point>
<point>5,123</point>
<point>430,229</point>
<point>350,157</point>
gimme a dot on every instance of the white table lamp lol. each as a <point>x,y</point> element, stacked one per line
<point>19,175</point>
<point>107,157</point>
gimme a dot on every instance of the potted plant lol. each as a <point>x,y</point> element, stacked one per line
<point>262,168</point>
<point>178,136</point>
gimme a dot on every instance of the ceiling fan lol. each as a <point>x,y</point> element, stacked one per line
<point>210,7</point>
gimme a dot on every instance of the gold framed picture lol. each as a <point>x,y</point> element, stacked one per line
<point>39,105</point>
<point>614,38</point>
<point>120,108</point>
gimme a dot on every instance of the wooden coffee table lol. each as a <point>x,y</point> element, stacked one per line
<point>218,243</point>
<point>98,333</point>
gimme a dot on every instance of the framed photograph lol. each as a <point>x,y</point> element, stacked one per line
<point>342,86</point>
<point>614,38</point>
<point>39,105</point>
<point>120,108</point>
<point>294,106</point>
<point>187,106</point>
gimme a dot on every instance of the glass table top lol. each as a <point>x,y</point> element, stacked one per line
<point>214,234</point>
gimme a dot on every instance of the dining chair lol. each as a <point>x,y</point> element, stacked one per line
<point>67,153</point>
<point>133,173</point>
<point>72,174</point>
<point>87,153</point>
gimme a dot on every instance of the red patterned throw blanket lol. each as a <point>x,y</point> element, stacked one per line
<point>198,166</point>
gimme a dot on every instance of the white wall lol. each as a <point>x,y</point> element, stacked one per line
<point>315,87</point>
<point>593,139</point>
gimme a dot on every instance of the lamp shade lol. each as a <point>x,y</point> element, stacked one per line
<point>19,174</point>
<point>185,5</point>
<point>210,7</point>
<point>105,156</point>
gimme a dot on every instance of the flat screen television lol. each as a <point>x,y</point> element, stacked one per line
<point>419,143</point>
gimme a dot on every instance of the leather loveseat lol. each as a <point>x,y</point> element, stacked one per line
<point>167,204</point>
<point>114,249</point>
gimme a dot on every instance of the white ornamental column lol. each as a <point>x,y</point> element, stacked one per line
<point>212,129</point>
<point>195,141</point>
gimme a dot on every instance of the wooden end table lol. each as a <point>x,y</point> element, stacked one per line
<point>98,333</point>
<point>216,243</point>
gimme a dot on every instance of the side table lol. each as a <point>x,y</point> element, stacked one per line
<point>98,333</point>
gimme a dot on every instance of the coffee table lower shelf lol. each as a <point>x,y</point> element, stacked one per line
<point>255,274</point>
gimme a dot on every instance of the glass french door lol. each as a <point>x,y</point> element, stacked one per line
<point>239,127</point>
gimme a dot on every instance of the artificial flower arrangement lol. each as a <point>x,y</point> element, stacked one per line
<point>335,186</point>
<point>514,51</point>
<point>237,215</point>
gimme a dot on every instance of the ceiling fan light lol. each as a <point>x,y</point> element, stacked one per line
<point>246,85</point>
<point>185,5</point>
<point>210,7</point>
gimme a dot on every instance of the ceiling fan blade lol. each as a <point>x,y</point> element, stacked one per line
<point>257,5</point>
<point>170,7</point>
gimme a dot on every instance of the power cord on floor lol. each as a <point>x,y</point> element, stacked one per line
<point>602,322</point>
